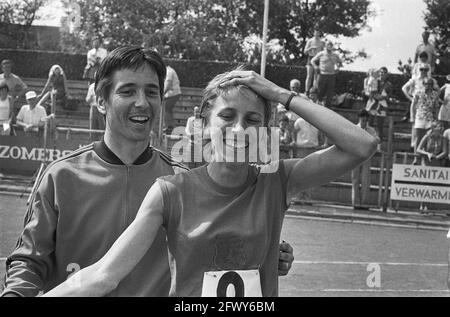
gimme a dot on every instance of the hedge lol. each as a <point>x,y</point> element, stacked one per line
<point>36,64</point>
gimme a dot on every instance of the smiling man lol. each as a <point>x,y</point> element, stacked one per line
<point>83,202</point>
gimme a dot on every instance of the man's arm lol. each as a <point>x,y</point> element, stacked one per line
<point>315,60</point>
<point>30,264</point>
<point>286,258</point>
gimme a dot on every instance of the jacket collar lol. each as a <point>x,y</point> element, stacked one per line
<point>107,155</point>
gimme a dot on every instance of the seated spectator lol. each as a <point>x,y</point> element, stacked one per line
<point>32,116</point>
<point>59,90</point>
<point>431,147</point>
<point>305,134</point>
<point>285,132</point>
<point>382,97</point>
<point>6,109</point>
<point>96,119</point>
<point>444,111</point>
<point>423,108</point>
<point>361,174</point>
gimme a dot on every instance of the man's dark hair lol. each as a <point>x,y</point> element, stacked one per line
<point>127,57</point>
<point>423,55</point>
<point>363,114</point>
<point>384,68</point>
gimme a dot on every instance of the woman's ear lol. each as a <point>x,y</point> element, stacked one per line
<point>101,105</point>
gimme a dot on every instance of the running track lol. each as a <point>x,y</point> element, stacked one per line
<point>331,258</point>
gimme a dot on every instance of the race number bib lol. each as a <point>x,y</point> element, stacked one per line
<point>244,283</point>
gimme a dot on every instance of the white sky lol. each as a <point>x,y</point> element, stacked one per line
<point>396,32</point>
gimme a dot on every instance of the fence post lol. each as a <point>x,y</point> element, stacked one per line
<point>388,163</point>
<point>380,183</point>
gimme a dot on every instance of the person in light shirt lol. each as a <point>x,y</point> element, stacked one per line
<point>94,57</point>
<point>32,116</point>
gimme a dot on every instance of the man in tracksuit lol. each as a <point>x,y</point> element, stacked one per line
<point>84,201</point>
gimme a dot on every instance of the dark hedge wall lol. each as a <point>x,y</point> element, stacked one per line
<point>36,64</point>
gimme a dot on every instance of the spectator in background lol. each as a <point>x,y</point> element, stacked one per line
<point>415,85</point>
<point>423,60</point>
<point>306,136</point>
<point>172,93</point>
<point>96,119</point>
<point>444,111</point>
<point>431,147</point>
<point>94,57</point>
<point>285,131</point>
<point>427,47</point>
<point>370,90</point>
<point>361,174</point>
<point>327,64</point>
<point>313,46</point>
<point>446,136</point>
<point>382,98</point>
<point>16,86</point>
<point>60,91</point>
<point>423,112</point>
<point>32,116</point>
<point>6,109</point>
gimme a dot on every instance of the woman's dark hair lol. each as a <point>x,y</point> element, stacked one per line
<point>127,57</point>
<point>423,55</point>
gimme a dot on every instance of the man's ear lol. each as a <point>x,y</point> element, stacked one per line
<point>101,105</point>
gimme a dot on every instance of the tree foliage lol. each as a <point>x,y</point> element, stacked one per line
<point>218,29</point>
<point>437,19</point>
<point>16,17</point>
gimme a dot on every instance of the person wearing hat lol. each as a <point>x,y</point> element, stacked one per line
<point>444,111</point>
<point>32,115</point>
<point>6,109</point>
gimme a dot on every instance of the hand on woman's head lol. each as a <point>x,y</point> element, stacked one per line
<point>260,85</point>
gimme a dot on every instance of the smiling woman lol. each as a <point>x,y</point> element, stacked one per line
<point>223,220</point>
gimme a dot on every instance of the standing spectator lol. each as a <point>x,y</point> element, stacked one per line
<point>427,47</point>
<point>313,46</point>
<point>361,174</point>
<point>94,57</point>
<point>370,90</point>
<point>6,109</point>
<point>423,108</point>
<point>16,86</point>
<point>96,119</point>
<point>32,116</point>
<point>410,88</point>
<point>444,112</point>
<point>285,131</point>
<point>382,98</point>
<point>446,136</point>
<point>172,93</point>
<point>327,63</point>
<point>60,91</point>
<point>423,60</point>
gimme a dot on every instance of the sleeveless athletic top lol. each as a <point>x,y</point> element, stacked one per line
<point>211,228</point>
